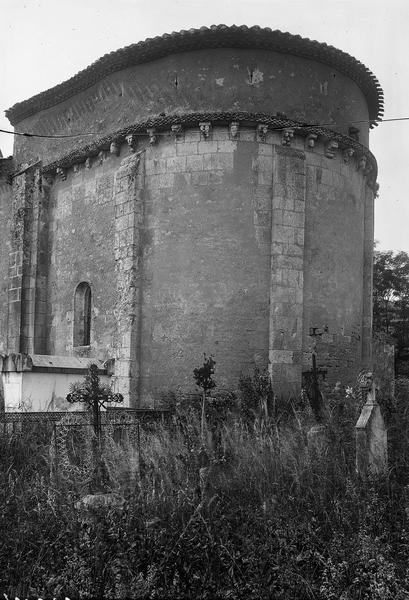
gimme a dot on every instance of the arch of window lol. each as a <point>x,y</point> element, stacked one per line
<point>82,314</point>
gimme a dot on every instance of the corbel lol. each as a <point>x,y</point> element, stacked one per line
<point>310,140</point>
<point>153,138</point>
<point>101,157</point>
<point>114,148</point>
<point>205,129</point>
<point>177,131</point>
<point>61,173</point>
<point>368,169</point>
<point>131,140</point>
<point>287,135</point>
<point>362,163</point>
<point>262,130</point>
<point>348,154</point>
<point>330,148</point>
<point>234,130</point>
<point>48,178</point>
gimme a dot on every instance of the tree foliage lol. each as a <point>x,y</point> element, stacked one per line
<point>204,375</point>
<point>391,297</point>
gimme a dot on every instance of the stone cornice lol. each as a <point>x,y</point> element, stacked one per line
<point>152,130</point>
<point>217,36</point>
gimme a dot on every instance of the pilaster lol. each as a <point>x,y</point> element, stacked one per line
<point>287,266</point>
<point>129,219</point>
<point>368,277</point>
<point>22,262</point>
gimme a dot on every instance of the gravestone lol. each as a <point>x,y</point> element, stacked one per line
<point>317,441</point>
<point>371,438</point>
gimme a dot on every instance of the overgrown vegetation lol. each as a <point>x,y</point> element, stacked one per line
<point>391,303</point>
<point>263,519</point>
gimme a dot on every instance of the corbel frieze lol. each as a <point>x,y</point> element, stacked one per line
<point>281,134</point>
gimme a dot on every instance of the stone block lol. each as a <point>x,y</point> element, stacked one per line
<point>281,356</point>
<point>371,439</point>
<point>200,178</point>
<point>187,149</point>
<point>283,234</point>
<point>262,197</point>
<point>283,202</point>
<point>205,147</point>
<point>14,294</point>
<point>194,162</point>
<point>164,180</point>
<point>247,134</point>
<point>263,218</point>
<point>265,149</point>
<point>222,160</point>
<point>293,219</point>
<point>226,146</point>
<point>176,164</point>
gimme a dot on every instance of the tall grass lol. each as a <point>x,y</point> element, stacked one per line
<point>245,511</point>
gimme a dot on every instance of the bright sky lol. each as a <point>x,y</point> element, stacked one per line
<point>44,42</point>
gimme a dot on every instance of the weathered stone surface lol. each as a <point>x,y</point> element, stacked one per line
<point>371,439</point>
<point>220,234</point>
<point>91,505</point>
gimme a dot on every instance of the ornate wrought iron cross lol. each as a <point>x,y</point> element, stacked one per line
<point>95,396</point>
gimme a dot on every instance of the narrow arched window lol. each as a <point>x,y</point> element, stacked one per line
<point>82,314</point>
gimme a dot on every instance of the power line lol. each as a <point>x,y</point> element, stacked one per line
<point>305,125</point>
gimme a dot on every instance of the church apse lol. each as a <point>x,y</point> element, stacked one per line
<point>223,205</point>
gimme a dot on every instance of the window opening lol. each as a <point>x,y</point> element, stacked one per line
<point>82,315</point>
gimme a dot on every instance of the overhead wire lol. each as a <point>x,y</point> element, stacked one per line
<point>301,126</point>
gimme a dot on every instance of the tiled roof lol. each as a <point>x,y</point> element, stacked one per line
<point>216,36</point>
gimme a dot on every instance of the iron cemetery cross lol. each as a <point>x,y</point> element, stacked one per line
<point>313,388</point>
<point>95,397</point>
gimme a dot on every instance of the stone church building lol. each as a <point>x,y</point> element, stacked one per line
<point>210,191</point>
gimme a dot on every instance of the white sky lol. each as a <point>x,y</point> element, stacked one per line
<point>44,42</point>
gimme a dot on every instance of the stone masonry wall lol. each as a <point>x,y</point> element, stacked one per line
<point>81,248</point>
<point>5,226</point>
<point>231,240</point>
<point>334,264</point>
<point>206,258</point>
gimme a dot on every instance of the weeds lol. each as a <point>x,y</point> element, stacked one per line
<point>257,517</point>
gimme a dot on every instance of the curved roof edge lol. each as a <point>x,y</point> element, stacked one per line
<point>216,36</point>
